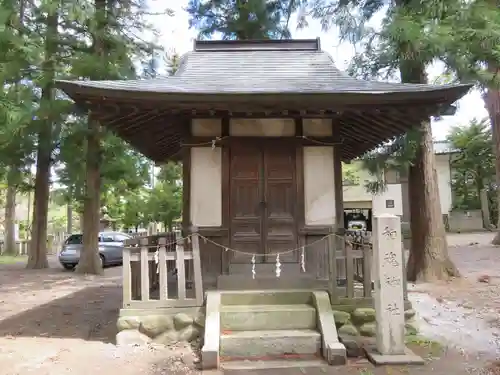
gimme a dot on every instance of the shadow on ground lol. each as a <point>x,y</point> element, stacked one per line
<point>88,314</point>
<point>14,279</point>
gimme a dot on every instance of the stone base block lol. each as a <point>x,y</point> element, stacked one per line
<point>408,358</point>
<point>209,359</point>
<point>160,326</point>
<point>335,354</point>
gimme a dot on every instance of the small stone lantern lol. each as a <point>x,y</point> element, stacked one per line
<point>106,222</point>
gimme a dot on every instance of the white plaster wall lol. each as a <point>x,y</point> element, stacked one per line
<point>444,182</point>
<point>262,127</point>
<point>358,193</point>
<point>319,186</point>
<point>206,186</point>
<point>206,127</point>
<point>317,127</point>
<point>354,193</point>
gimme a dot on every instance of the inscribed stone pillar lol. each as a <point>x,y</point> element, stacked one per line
<point>389,294</point>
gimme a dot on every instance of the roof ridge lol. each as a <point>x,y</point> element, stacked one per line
<point>257,45</point>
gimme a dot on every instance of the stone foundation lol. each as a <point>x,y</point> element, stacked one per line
<point>162,329</point>
<point>356,326</point>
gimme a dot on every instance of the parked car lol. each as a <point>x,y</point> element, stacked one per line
<point>356,225</point>
<point>110,249</point>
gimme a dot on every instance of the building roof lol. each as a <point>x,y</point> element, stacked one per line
<point>255,67</point>
<point>270,78</point>
<point>444,147</point>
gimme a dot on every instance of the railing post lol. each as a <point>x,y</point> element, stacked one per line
<point>198,281</point>
<point>126,275</point>
<point>144,261</point>
<point>349,266</point>
<point>162,268</point>
<point>332,265</point>
<point>181,271</point>
<point>367,271</point>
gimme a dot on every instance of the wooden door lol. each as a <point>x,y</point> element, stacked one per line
<point>263,201</point>
<point>246,192</point>
<point>280,197</point>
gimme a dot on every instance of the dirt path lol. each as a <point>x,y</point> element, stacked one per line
<point>465,313</point>
<point>54,322</point>
<point>479,288</point>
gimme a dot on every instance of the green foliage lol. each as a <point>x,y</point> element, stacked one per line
<point>350,174</point>
<point>251,19</point>
<point>48,40</point>
<point>134,209</point>
<point>473,167</point>
<point>164,204</point>
<point>171,173</point>
<point>463,34</point>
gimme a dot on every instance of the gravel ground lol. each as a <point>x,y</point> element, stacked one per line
<point>54,322</point>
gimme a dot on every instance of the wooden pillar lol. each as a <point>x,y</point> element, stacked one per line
<point>339,191</point>
<point>337,246</point>
<point>186,181</point>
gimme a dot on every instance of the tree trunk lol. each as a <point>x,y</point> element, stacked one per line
<point>38,244</point>
<point>90,262</point>
<point>405,195</point>
<point>485,209</point>
<point>10,213</point>
<point>492,103</point>
<point>429,258</point>
<point>69,217</point>
<point>80,221</point>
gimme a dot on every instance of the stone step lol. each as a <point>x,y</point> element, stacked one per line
<point>289,363</point>
<point>261,282</point>
<point>272,343</point>
<point>267,317</point>
<point>266,297</point>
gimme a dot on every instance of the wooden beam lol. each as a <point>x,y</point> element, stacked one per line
<point>186,184</point>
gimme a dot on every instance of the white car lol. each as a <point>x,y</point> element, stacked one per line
<point>356,225</point>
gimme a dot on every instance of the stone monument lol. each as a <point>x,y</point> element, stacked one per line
<point>106,223</point>
<point>389,294</point>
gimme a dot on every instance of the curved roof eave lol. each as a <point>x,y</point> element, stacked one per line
<point>91,91</point>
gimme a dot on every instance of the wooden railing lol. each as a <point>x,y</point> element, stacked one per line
<point>354,264</point>
<point>21,247</point>
<point>162,271</point>
<point>354,258</point>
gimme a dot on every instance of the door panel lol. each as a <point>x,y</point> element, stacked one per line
<point>280,193</point>
<point>245,207</point>
<point>263,201</point>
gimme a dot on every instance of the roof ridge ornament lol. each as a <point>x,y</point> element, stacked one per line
<point>257,45</point>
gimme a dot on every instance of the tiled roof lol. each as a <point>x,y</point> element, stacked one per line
<point>270,69</point>
<point>291,78</point>
<point>443,147</point>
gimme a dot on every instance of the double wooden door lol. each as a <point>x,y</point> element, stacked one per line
<point>263,200</point>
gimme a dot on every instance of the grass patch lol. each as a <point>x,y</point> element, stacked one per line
<point>430,347</point>
<point>12,259</point>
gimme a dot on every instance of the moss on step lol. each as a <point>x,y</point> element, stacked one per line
<point>363,315</point>
<point>356,322</point>
<point>341,317</point>
<point>348,330</point>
